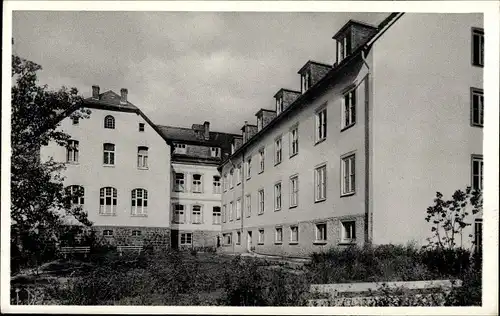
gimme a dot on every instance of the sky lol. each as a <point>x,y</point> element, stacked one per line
<point>181,68</point>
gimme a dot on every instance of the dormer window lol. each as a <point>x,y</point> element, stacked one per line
<point>215,152</point>
<point>279,105</point>
<point>180,148</point>
<point>343,47</point>
<point>233,148</point>
<point>259,123</point>
<point>305,82</point>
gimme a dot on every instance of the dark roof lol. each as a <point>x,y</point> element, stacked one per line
<point>262,110</point>
<point>353,22</point>
<point>285,89</point>
<point>189,135</point>
<point>313,62</point>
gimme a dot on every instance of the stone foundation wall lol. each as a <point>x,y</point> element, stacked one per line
<point>158,237</point>
<point>201,239</point>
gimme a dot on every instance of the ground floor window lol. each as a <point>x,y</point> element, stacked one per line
<point>186,239</point>
<point>348,231</point>
<point>238,238</point>
<point>261,236</point>
<point>321,232</point>
<point>227,239</point>
<point>279,235</point>
<point>107,232</point>
<point>136,233</point>
<point>478,235</point>
<point>294,234</point>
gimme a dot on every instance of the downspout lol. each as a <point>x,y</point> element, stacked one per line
<point>243,178</point>
<point>232,241</point>
<point>368,226</point>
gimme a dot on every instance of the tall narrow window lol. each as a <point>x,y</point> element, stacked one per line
<point>261,160</point>
<point>109,154</point>
<point>216,215</point>
<point>348,175</point>
<point>279,105</point>
<point>196,214</point>
<point>238,238</point>
<point>248,205</point>
<point>217,185</point>
<point>142,157</point>
<point>259,123</point>
<point>349,113</point>
<point>478,47</point>
<point>226,182</point>
<point>294,141</point>
<point>294,191</point>
<point>305,82</point>
<point>278,235</point>
<point>224,213</point>
<point>321,232</point>
<point>278,151</point>
<point>477,172</point>
<point>179,182</point>
<point>238,209</point>
<point>343,48</point>
<point>231,210</point>
<point>139,202</point>
<point>261,202</point>
<point>294,234</point>
<point>478,235</point>
<point>197,183</point>
<point>320,183</point>
<point>249,168</point>
<point>109,122</point>
<point>107,201</point>
<point>261,236</point>
<point>477,107</point>
<point>179,215</point>
<point>277,196</point>
<point>321,125</point>
<point>231,179</point>
<point>238,174</point>
<point>76,195</point>
<point>72,151</point>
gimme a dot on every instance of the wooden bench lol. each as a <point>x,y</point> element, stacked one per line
<point>358,294</point>
<point>69,250</point>
<point>121,249</point>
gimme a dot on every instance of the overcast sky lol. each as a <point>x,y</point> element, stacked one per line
<point>181,68</point>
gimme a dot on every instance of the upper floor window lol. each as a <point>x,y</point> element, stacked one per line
<point>321,125</point>
<point>261,202</point>
<point>214,151</point>
<point>139,202</point>
<point>76,194</point>
<point>478,235</point>
<point>348,175</point>
<point>261,160</point>
<point>109,154</point>
<point>477,172</point>
<point>226,182</point>
<point>343,48</point>
<point>231,210</point>
<point>294,191</point>
<point>238,174</point>
<point>477,107</point>
<point>179,182</point>
<point>478,47</point>
<point>279,105</point>
<point>141,127</point>
<point>179,215</point>
<point>216,215</point>
<point>180,148</point>
<point>233,148</point>
<point>349,112</point>
<point>320,183</point>
<point>224,213</point>
<point>248,204</point>
<point>231,178</point>
<point>142,157</point>
<point>249,168</point>
<point>109,122</point>
<point>277,196</point>
<point>107,201</point>
<point>75,120</point>
<point>196,217</point>
<point>238,209</point>
<point>217,185</point>
<point>294,141</point>
<point>197,184</point>
<point>278,151</point>
<point>72,151</point>
<point>305,81</point>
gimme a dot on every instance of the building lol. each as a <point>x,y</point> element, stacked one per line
<point>119,161</point>
<point>196,184</point>
<point>357,155</point>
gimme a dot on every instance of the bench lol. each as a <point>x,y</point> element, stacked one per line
<point>121,249</point>
<point>69,250</point>
<point>362,294</point>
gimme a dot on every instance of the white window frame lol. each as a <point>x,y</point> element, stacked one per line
<point>279,105</point>
<point>278,150</point>
<point>231,178</point>
<point>294,191</point>
<point>278,235</point>
<point>238,209</point>
<point>75,120</point>
<point>477,119</point>
<point>186,239</point>
<point>321,124</point>
<point>231,210</point>
<point>142,157</point>
<point>139,196</point>
<point>238,237</point>
<point>179,213</point>
<point>109,156</point>
<point>226,182</point>
<point>216,215</point>
<point>72,151</point>
<point>108,200</point>
<point>478,234</point>
<point>320,182</point>
<point>261,199</point>
<point>277,196</point>
<point>304,80</point>
<point>248,205</point>
<point>109,122</point>
<point>262,160</point>
<point>238,174</point>
<point>136,233</point>
<point>180,148</point>
<point>197,184</point>
<point>224,213</point>
<point>217,186</point>
<point>348,114</point>
<point>196,214</point>
<point>320,236</point>
<point>249,168</point>
<point>294,140</point>
<point>348,173</point>
<point>77,195</point>
<point>348,229</point>
<point>477,176</point>
<point>261,236</point>
<point>292,241</point>
<point>215,152</point>
<point>180,184</point>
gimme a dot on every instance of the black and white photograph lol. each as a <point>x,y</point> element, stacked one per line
<point>317,156</point>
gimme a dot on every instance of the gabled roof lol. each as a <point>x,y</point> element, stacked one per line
<point>353,22</point>
<point>189,135</point>
<point>309,62</point>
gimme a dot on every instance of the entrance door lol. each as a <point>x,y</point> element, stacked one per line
<point>249,241</point>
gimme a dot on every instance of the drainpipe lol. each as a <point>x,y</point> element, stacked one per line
<point>368,226</point>
<point>243,178</point>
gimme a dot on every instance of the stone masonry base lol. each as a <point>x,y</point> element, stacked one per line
<point>158,237</point>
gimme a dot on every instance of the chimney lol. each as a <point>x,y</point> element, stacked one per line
<point>95,92</point>
<point>206,133</point>
<point>124,93</point>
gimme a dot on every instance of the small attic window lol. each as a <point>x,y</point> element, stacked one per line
<point>75,120</point>
<point>344,46</point>
<point>141,127</point>
<point>305,80</point>
<point>279,105</point>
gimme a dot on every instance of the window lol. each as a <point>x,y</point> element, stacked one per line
<point>305,81</point>
<point>139,202</point>
<point>321,232</point>
<point>279,105</point>
<point>196,214</point>
<point>294,234</point>
<point>180,148</point>
<point>107,232</point>
<point>179,215</point>
<point>478,235</point>
<point>186,239</point>
<point>294,141</point>
<point>477,107</point>
<point>320,183</point>
<point>214,151</point>
<point>179,182</point>
<point>248,205</point>
<point>224,213</point>
<point>278,235</point>
<point>136,233</point>
<point>238,238</point>
<point>277,147</point>
<point>238,174</point>
<point>249,168</point>
<point>107,201</point>
<point>238,209</point>
<point>348,175</point>
<point>216,215</point>
<point>233,148</point>
<point>478,47</point>
<point>477,172</point>
<point>141,127</point>
<point>349,231</point>
<point>142,157</point>
<point>259,123</point>
<point>261,202</point>
<point>294,191</point>
<point>217,185</point>
<point>261,236</point>
<point>349,112</point>
<point>231,210</point>
<point>227,239</point>
<point>231,179</point>
<point>197,187</point>
<point>277,196</point>
<point>321,125</point>
<point>225,182</point>
<point>72,151</point>
<point>76,194</point>
<point>109,154</point>
<point>75,120</point>
<point>109,122</point>
<point>261,160</point>
<point>343,47</point>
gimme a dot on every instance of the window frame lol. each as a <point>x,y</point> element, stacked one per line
<point>248,205</point>
<point>278,196</point>
<point>324,235</point>
<point>278,150</point>
<point>320,124</point>
<point>73,152</point>
<point>109,122</point>
<point>231,210</point>
<point>317,191</point>
<point>349,110</point>
<point>180,148</point>
<point>197,185</point>
<point>177,182</point>
<point>477,158</point>
<point>108,234</point>
<point>217,184</point>
<point>142,157</point>
<point>261,200</point>
<point>103,199</point>
<point>75,120</point>
<point>476,31</point>
<point>198,218</point>
<point>294,142</point>
<point>238,209</point>
<point>261,236</point>
<point>216,215</point>
<point>478,235</point>
<point>293,192</point>
<point>348,227</point>
<point>135,199</point>
<point>142,127</point>
<point>292,241</point>
<point>109,155</point>
<point>186,235</point>
<point>262,160</point>
<point>278,241</point>
<point>238,238</point>
<point>76,193</point>
<point>179,214</point>
<point>248,169</point>
<point>480,94</point>
<point>350,178</point>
